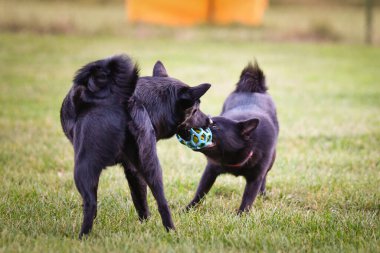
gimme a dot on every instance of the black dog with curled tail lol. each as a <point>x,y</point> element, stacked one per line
<point>111,116</point>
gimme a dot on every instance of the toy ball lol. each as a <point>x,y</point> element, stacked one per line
<point>199,138</point>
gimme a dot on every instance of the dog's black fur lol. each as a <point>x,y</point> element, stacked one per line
<point>244,138</point>
<point>113,117</point>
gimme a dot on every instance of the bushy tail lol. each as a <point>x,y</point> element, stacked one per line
<point>94,83</point>
<point>98,76</point>
<point>252,79</point>
<point>125,73</point>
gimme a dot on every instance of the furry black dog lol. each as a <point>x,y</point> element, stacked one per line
<point>244,138</point>
<point>113,117</point>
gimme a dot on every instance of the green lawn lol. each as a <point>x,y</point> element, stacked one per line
<point>323,192</point>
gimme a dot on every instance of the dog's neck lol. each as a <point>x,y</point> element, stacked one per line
<point>233,165</point>
<point>240,164</point>
<point>163,130</point>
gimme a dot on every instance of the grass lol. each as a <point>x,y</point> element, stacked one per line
<point>323,192</point>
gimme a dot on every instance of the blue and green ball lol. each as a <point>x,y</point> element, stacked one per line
<point>199,138</point>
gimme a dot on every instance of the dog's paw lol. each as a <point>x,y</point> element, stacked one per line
<point>144,217</point>
<point>185,209</point>
<point>188,208</point>
<point>242,212</point>
<point>82,236</point>
<point>170,228</point>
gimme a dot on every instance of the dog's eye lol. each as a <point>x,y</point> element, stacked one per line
<point>194,111</point>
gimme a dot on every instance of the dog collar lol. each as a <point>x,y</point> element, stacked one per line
<point>236,165</point>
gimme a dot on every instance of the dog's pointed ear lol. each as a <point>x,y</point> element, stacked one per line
<point>247,126</point>
<point>159,70</point>
<point>198,91</point>
<point>189,95</point>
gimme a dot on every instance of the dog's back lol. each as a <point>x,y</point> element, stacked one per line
<point>250,98</point>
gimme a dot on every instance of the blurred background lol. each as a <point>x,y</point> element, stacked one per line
<point>340,21</point>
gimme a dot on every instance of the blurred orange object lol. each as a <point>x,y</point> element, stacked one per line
<point>247,12</point>
<point>184,13</point>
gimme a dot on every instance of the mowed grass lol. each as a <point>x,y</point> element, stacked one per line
<point>323,191</point>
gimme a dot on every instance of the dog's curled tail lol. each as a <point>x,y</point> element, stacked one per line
<point>252,79</point>
<point>97,77</point>
<point>125,73</point>
<point>92,86</point>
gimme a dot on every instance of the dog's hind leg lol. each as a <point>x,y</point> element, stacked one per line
<point>138,188</point>
<point>208,179</point>
<point>98,138</point>
<point>250,192</point>
<point>86,180</point>
<point>253,185</point>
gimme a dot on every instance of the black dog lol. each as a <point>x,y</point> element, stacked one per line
<point>113,117</point>
<point>244,138</point>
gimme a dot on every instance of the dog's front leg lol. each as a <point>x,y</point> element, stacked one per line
<point>208,179</point>
<point>153,176</point>
<point>147,163</point>
<point>263,184</point>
